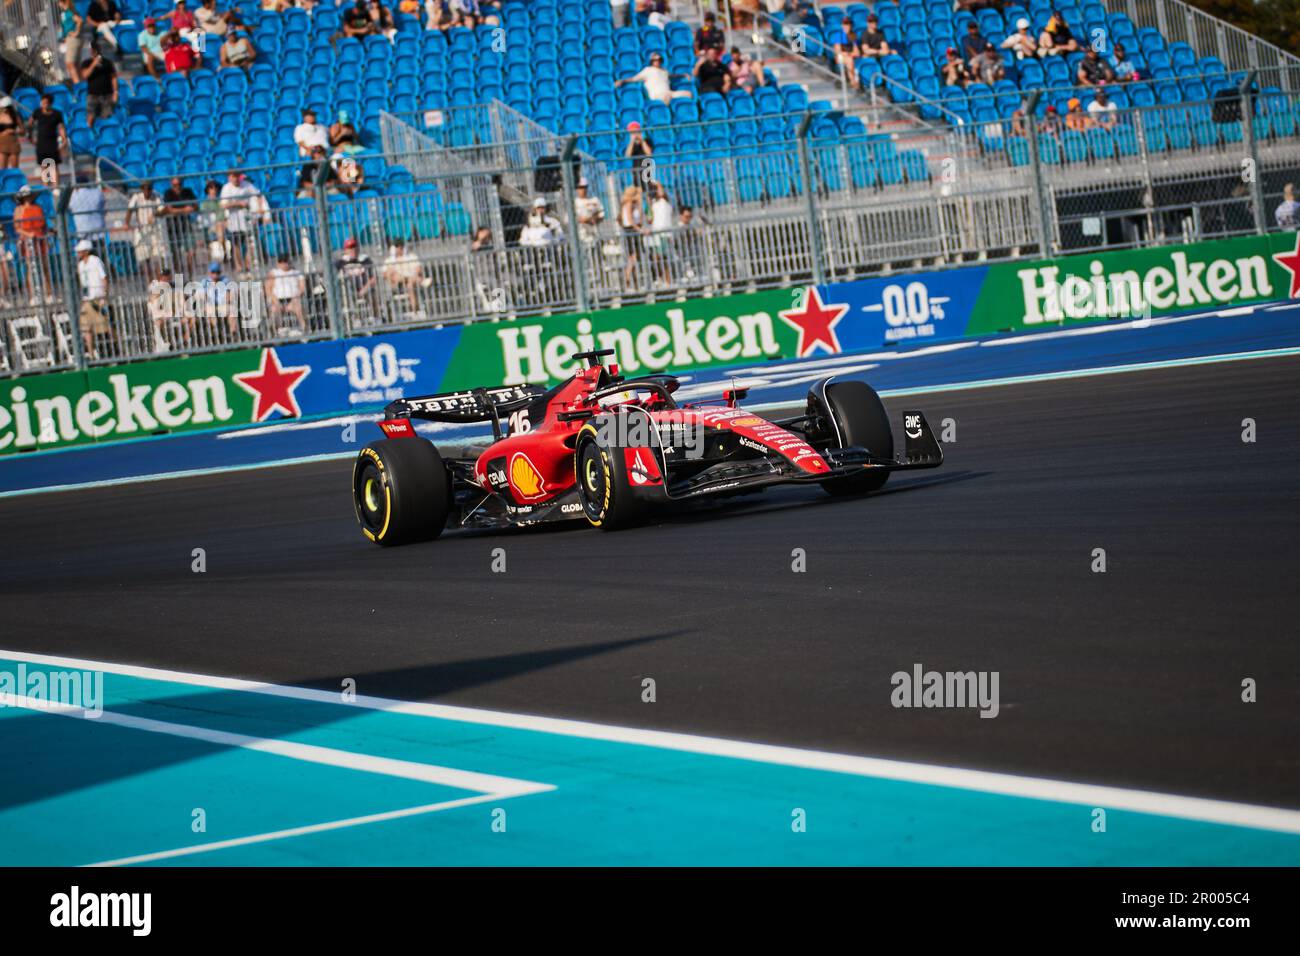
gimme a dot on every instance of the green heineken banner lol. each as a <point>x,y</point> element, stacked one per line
<point>249,386</point>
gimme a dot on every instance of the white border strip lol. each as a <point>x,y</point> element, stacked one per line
<point>1011,785</point>
<point>307,753</point>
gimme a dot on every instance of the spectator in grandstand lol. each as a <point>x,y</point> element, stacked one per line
<point>238,50</point>
<point>182,20</point>
<point>796,11</point>
<point>590,214</point>
<point>11,128</point>
<point>212,216</point>
<point>972,6</point>
<point>436,16</point>
<point>743,13</point>
<point>1051,123</point>
<point>873,41</point>
<point>1022,42</point>
<point>483,241</point>
<point>101,88</point>
<point>987,67</point>
<point>1018,127</point>
<point>657,14</point>
<point>356,273</point>
<point>178,55</point>
<point>209,20</point>
<point>620,10</point>
<point>103,16</point>
<point>177,212</point>
<point>47,132</point>
<point>87,207</point>
<point>70,28</point>
<point>1123,68</point>
<point>1056,38</point>
<point>285,289</point>
<point>309,133</point>
<point>972,44</point>
<point>631,222</point>
<point>382,22</point>
<point>640,149</point>
<point>403,272</point>
<point>1093,70</point>
<point>93,278</point>
<point>1075,118</point>
<point>356,22</point>
<point>142,216</point>
<point>710,74</point>
<point>307,177</point>
<point>688,246</point>
<point>33,240</point>
<point>1288,213</point>
<point>237,202</point>
<point>657,81</point>
<point>349,175</point>
<point>708,36</point>
<point>844,42</point>
<point>541,208</point>
<point>1102,109</point>
<point>151,48</point>
<point>954,69</point>
<point>217,300</point>
<point>745,75</point>
<point>344,136</point>
<point>659,242</point>
<point>161,306</point>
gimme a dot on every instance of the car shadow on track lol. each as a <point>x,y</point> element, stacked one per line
<point>50,760</point>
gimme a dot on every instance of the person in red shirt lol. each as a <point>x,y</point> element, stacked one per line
<point>182,19</point>
<point>178,55</point>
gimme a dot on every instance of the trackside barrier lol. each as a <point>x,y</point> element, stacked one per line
<point>317,378</point>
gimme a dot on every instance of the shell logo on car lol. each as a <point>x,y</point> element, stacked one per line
<point>525,479</point>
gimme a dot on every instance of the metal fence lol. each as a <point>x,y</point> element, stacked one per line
<point>454,243</point>
<point>29,38</point>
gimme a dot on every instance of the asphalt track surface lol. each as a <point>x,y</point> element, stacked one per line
<point>1129,678</point>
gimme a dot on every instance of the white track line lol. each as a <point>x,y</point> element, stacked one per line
<point>300,831</point>
<point>307,753</point>
<point>1011,785</point>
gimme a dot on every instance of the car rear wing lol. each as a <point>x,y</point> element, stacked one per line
<point>475,405</point>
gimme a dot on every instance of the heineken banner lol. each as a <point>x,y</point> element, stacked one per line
<point>319,378</point>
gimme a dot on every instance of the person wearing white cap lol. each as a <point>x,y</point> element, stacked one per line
<point>1022,42</point>
<point>590,213</point>
<point>11,125</point>
<point>93,278</point>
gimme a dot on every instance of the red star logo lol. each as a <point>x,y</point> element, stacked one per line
<point>1290,261</point>
<point>816,324</point>
<point>273,386</point>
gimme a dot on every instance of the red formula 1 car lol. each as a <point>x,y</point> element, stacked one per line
<point>610,450</point>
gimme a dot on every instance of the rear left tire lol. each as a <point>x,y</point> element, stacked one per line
<point>401,491</point>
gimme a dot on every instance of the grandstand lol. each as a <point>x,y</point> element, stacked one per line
<point>797,179</point>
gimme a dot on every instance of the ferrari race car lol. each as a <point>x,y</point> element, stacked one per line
<point>610,450</point>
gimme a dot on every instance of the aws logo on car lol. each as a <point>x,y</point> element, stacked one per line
<point>525,479</point>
